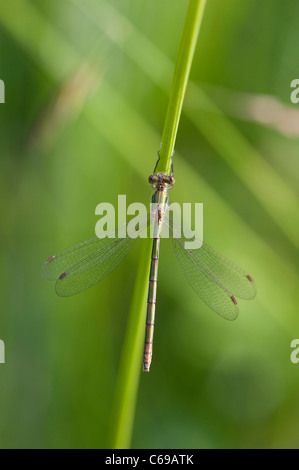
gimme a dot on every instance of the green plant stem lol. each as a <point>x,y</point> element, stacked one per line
<point>130,365</point>
<point>179,82</point>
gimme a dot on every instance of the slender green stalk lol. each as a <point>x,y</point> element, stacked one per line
<point>180,80</point>
<point>130,366</point>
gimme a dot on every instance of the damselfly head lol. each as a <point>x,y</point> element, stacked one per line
<point>161,179</point>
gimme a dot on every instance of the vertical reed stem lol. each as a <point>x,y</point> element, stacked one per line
<point>179,82</point>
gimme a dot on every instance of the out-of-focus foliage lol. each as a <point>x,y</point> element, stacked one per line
<point>86,93</point>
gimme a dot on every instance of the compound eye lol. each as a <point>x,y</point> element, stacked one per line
<point>152,179</point>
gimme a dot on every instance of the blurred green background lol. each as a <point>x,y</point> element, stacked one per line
<point>87,86</point>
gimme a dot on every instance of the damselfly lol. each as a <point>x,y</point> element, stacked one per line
<point>214,278</point>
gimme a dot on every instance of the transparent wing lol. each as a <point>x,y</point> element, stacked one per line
<point>61,262</point>
<point>93,268</point>
<point>214,278</point>
<point>232,276</point>
<point>83,265</point>
<point>205,283</point>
